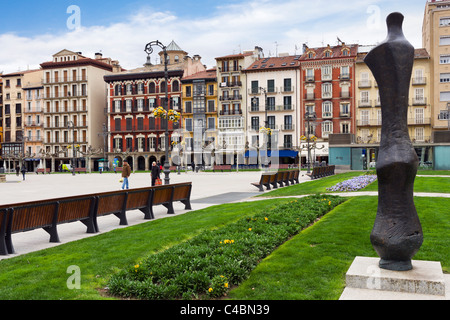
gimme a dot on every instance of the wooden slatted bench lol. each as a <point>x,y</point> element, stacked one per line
<point>43,170</point>
<point>48,214</point>
<point>320,172</point>
<point>79,170</point>
<point>263,182</point>
<point>222,167</point>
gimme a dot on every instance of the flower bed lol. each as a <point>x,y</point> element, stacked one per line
<point>209,264</point>
<point>354,184</point>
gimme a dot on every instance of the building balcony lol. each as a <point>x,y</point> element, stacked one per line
<point>369,123</point>
<point>230,112</point>
<point>310,96</point>
<point>419,81</point>
<point>365,84</point>
<point>59,80</point>
<point>419,101</point>
<point>65,95</point>
<point>419,121</point>
<point>230,98</point>
<point>33,124</point>
<point>364,103</point>
<point>288,127</point>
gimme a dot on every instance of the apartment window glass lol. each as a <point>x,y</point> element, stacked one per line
<point>309,74</point>
<point>271,85</point>
<point>288,122</point>
<point>287,103</point>
<point>211,123</point>
<point>444,22</point>
<point>255,87</point>
<point>364,117</point>
<point>444,41</point>
<point>287,85</point>
<point>444,59</point>
<point>444,77</point>
<point>327,128</point>
<point>271,122</point>
<point>327,90</point>
<point>326,72</point>
<point>188,124</point>
<point>129,122</point>
<point>255,123</point>
<point>327,109</point>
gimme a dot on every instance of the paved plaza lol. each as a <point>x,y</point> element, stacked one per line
<point>208,189</point>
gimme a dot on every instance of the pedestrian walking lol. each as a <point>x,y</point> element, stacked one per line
<point>155,173</point>
<point>126,172</point>
<point>23,170</point>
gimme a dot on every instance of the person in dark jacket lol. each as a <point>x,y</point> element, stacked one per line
<point>126,172</point>
<point>155,173</point>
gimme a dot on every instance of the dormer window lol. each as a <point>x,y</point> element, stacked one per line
<point>345,52</point>
<point>310,55</point>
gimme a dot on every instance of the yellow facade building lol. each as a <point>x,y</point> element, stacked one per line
<point>199,117</point>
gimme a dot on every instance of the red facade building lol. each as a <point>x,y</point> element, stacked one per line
<point>328,84</point>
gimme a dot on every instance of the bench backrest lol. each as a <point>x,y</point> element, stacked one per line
<point>110,202</point>
<point>33,216</point>
<point>181,192</point>
<point>162,194</point>
<point>75,209</point>
<point>138,198</point>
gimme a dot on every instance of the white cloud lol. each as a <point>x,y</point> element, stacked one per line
<point>230,28</point>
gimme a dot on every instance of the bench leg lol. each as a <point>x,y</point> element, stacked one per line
<point>169,207</point>
<point>122,217</point>
<point>53,232</point>
<point>187,204</point>
<point>148,213</point>
<point>89,223</point>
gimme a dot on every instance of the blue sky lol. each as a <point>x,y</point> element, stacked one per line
<point>32,31</point>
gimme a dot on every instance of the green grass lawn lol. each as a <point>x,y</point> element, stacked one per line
<point>422,184</point>
<point>311,265</point>
<point>311,187</point>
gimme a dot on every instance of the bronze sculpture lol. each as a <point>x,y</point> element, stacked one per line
<point>397,232</point>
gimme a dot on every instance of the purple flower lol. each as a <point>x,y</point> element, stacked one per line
<point>354,184</point>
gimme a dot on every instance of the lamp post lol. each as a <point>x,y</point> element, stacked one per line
<point>70,124</point>
<point>149,51</point>
<point>309,115</point>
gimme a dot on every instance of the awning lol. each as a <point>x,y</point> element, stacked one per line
<point>279,153</point>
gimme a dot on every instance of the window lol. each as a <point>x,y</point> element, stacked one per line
<point>271,85</point>
<point>327,90</point>
<point>270,103</point>
<point>129,124</point>
<point>188,124</point>
<point>443,115</point>
<point>444,59</point>
<point>117,125</point>
<point>345,71</point>
<point>444,96</point>
<point>255,104</point>
<point>444,77</point>
<point>444,22</point>
<point>327,109</point>
<point>364,96</point>
<point>288,122</point>
<point>211,123</point>
<point>418,116</point>
<point>365,116</point>
<point>287,103</point>
<point>287,85</point>
<point>327,128</point>
<point>345,109</point>
<point>188,106</point>
<point>271,122</point>
<point>345,127</point>
<point>255,123</point>
<point>309,74</point>
<point>255,87</point>
<point>444,41</point>
<point>287,143</point>
<point>326,73</point>
<point>419,136</point>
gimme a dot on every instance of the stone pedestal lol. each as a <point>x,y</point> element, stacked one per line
<point>366,280</point>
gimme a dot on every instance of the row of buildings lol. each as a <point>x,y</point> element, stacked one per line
<point>91,112</point>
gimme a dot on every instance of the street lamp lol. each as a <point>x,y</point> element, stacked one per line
<point>309,115</point>
<point>149,51</point>
<point>70,124</point>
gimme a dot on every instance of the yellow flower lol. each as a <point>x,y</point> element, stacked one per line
<point>266,218</point>
<point>136,266</point>
<point>329,203</point>
<point>249,229</point>
<point>226,285</point>
<point>210,289</point>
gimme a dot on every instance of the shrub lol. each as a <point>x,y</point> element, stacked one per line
<point>209,264</point>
